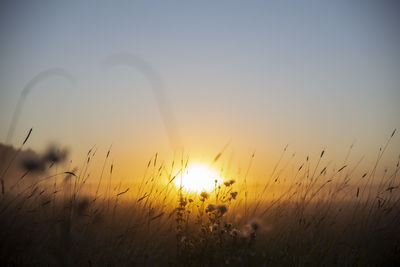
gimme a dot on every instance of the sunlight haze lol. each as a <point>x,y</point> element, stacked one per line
<point>318,76</point>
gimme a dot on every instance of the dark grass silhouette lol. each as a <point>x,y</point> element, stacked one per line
<point>321,216</point>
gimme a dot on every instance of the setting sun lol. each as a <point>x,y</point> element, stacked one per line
<point>198,177</point>
<point>206,133</point>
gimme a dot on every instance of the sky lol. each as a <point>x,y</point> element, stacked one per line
<point>255,75</point>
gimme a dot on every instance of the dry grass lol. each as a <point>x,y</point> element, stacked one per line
<point>321,216</point>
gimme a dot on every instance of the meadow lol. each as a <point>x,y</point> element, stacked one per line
<point>317,215</point>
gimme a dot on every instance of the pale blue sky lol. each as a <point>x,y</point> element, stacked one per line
<point>261,73</point>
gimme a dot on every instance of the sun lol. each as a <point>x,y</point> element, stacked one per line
<point>198,177</point>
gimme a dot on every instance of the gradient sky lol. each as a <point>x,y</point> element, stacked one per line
<point>259,74</point>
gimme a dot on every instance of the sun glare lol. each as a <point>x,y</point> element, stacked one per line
<point>198,177</point>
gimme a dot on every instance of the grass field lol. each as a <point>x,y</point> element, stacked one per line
<point>319,216</point>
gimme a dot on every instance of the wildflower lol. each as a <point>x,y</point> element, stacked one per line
<point>210,208</point>
<point>182,202</point>
<point>234,194</point>
<point>222,209</point>
<point>190,200</point>
<point>254,224</point>
<point>32,163</point>
<point>228,226</point>
<point>203,196</point>
<point>55,155</point>
<point>214,227</point>
<point>234,232</point>
<point>229,182</point>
